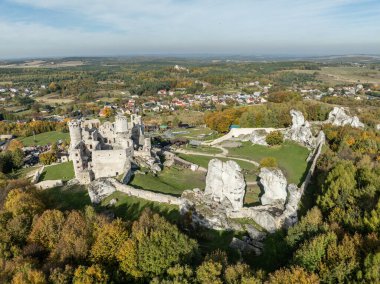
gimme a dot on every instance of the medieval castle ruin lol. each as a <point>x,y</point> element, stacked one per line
<point>106,150</point>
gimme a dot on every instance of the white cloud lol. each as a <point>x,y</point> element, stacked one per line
<point>257,26</point>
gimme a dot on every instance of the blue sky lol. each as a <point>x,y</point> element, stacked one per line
<point>35,28</point>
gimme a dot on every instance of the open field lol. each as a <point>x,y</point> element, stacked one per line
<point>53,99</point>
<point>170,181</point>
<point>290,157</point>
<point>64,171</point>
<point>44,64</point>
<point>341,75</point>
<point>44,138</point>
<point>204,160</point>
<point>203,149</point>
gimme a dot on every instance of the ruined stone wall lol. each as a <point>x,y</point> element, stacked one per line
<point>148,195</point>
<point>108,163</point>
<point>316,153</point>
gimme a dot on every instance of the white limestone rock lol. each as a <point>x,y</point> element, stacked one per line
<point>225,180</point>
<point>339,117</point>
<point>204,211</point>
<point>258,136</point>
<point>290,216</point>
<point>300,130</point>
<point>274,184</point>
<point>100,189</point>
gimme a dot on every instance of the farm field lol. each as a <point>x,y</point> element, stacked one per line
<point>170,181</point>
<point>63,171</point>
<point>290,157</point>
<point>44,138</point>
<point>52,99</point>
<point>343,74</point>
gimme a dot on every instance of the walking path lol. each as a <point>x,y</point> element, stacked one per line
<point>224,154</point>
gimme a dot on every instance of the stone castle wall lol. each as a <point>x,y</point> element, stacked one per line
<point>108,163</point>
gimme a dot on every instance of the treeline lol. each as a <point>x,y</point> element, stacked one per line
<point>32,127</point>
<point>269,115</point>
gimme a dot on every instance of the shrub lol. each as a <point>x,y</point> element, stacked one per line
<point>274,138</point>
<point>268,162</point>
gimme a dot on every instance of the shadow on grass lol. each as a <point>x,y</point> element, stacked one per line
<point>65,198</point>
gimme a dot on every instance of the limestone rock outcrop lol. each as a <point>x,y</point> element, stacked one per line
<point>224,180</point>
<point>205,211</point>
<point>339,117</point>
<point>274,184</point>
<point>300,130</point>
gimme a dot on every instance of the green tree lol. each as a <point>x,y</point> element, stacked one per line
<point>150,251</point>
<point>338,190</point>
<point>311,253</point>
<point>210,272</point>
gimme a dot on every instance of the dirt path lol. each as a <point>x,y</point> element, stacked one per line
<point>222,155</point>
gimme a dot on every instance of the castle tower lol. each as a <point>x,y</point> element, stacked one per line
<point>75,132</point>
<point>121,124</point>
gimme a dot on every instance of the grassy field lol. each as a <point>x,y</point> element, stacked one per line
<point>171,181</point>
<point>203,149</point>
<point>344,74</point>
<point>203,161</point>
<point>130,208</point>
<point>45,138</point>
<point>65,198</point>
<point>64,171</point>
<point>251,197</point>
<point>290,157</point>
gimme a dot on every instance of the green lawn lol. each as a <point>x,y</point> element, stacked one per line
<point>64,171</point>
<point>130,207</point>
<point>204,160</point>
<point>290,157</point>
<point>171,181</point>
<point>203,149</point>
<point>45,138</point>
<point>65,198</point>
<point>251,197</point>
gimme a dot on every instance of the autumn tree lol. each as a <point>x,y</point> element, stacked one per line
<point>109,238</point>
<point>274,138</point>
<point>46,230</point>
<point>75,239</point>
<point>90,275</point>
<point>293,275</point>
